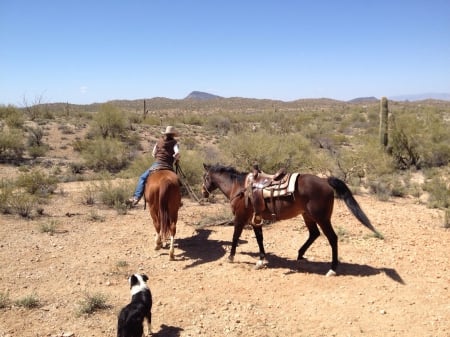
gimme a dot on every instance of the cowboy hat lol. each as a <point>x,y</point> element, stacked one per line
<point>170,130</point>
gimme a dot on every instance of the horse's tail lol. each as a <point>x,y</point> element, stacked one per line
<point>164,216</point>
<point>343,192</point>
<point>168,205</point>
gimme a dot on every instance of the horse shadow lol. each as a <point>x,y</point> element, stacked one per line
<point>168,331</point>
<point>200,249</point>
<point>321,268</point>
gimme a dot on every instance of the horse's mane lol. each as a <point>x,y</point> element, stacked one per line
<point>217,168</point>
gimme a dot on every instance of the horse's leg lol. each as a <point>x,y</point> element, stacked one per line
<point>314,233</point>
<point>158,240</point>
<point>238,227</point>
<point>262,253</point>
<point>328,230</point>
<point>172,240</point>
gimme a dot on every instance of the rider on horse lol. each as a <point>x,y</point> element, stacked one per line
<point>166,153</point>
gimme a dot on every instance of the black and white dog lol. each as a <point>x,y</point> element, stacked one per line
<point>131,317</point>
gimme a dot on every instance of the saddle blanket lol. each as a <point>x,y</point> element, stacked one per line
<point>274,191</point>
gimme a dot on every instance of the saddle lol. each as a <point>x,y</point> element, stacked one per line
<point>262,189</point>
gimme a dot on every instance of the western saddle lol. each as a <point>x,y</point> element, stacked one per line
<point>262,187</point>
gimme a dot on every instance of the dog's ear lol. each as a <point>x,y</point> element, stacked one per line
<point>133,280</point>
<point>144,277</point>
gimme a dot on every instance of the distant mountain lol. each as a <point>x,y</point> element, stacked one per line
<point>364,99</point>
<point>421,97</point>
<point>203,96</point>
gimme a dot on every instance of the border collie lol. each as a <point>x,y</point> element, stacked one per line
<point>131,317</point>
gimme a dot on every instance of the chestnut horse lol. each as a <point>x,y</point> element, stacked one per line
<point>313,199</point>
<point>163,196</point>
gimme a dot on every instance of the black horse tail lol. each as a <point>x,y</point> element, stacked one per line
<point>343,192</point>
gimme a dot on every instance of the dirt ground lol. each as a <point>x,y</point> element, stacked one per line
<point>398,286</point>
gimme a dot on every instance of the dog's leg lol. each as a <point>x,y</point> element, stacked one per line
<point>149,323</point>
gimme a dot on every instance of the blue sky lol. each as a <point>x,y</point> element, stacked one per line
<point>81,51</point>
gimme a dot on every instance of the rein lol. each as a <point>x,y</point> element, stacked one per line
<point>238,194</point>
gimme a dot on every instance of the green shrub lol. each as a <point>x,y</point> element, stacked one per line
<point>35,135</point>
<point>4,300</point>
<point>439,192</point>
<point>111,195</point>
<point>13,117</point>
<point>446,218</point>
<point>37,151</point>
<point>270,151</point>
<point>22,204</point>
<point>105,154</point>
<point>6,191</point>
<point>110,122</point>
<point>11,144</point>
<point>93,303</point>
<point>38,183</point>
<point>29,302</point>
<point>48,227</point>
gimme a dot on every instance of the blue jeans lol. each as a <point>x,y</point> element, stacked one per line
<point>139,192</point>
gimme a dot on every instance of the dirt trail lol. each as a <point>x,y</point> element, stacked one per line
<point>398,286</point>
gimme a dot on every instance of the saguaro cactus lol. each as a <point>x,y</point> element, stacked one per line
<point>384,111</point>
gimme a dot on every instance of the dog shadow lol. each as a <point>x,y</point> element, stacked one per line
<point>167,331</point>
<point>321,268</point>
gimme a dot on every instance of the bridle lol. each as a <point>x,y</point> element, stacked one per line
<point>204,186</point>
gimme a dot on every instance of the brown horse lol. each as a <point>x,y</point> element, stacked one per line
<point>313,199</point>
<point>163,197</point>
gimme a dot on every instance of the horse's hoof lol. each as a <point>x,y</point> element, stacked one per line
<point>261,264</point>
<point>331,272</point>
<point>230,259</point>
<point>158,247</point>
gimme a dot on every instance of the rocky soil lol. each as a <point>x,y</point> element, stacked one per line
<point>398,286</point>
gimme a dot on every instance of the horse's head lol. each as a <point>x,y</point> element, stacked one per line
<point>208,184</point>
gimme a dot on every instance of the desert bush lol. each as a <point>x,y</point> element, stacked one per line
<point>191,165</point>
<point>37,151</point>
<point>22,204</point>
<point>105,154</point>
<point>439,192</point>
<point>89,194</point>
<point>76,168</point>
<point>29,302</point>
<point>137,166</point>
<point>11,144</point>
<point>92,303</point>
<point>420,139</point>
<point>94,216</point>
<point>113,195</point>
<point>4,300</point>
<point>386,186</point>
<point>446,223</point>
<point>270,151</point>
<point>35,135</point>
<point>6,192</point>
<point>37,183</point>
<point>49,227</point>
<point>221,124</point>
<point>109,121</point>
<point>13,117</point>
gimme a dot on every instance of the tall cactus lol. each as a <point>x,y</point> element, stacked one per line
<point>384,111</point>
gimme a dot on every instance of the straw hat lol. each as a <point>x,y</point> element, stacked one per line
<point>170,130</point>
